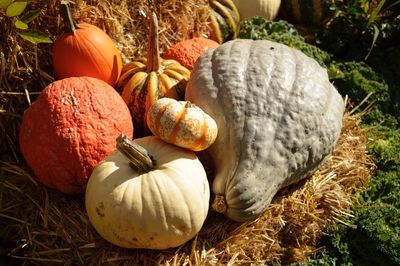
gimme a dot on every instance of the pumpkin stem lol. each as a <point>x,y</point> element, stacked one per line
<point>219,204</point>
<point>153,52</point>
<point>69,21</point>
<point>137,155</point>
<point>188,104</point>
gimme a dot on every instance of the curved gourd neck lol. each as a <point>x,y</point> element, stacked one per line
<point>153,51</point>
<point>138,156</point>
<point>70,24</point>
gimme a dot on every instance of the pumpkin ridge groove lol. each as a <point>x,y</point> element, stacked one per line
<point>203,133</point>
<point>178,189</point>
<point>155,181</point>
<point>222,94</point>
<point>248,161</point>
<point>176,126</point>
<point>287,108</point>
<point>232,181</point>
<point>158,118</point>
<point>93,47</point>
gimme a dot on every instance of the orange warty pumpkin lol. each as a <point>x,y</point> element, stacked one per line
<point>85,50</point>
<point>70,128</point>
<point>186,52</point>
<point>144,81</point>
<point>182,124</point>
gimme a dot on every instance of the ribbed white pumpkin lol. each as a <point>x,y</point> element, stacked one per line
<point>267,9</point>
<point>181,123</point>
<point>158,208</point>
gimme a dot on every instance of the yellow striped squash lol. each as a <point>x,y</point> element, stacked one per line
<point>144,81</point>
<point>225,20</point>
<point>182,123</point>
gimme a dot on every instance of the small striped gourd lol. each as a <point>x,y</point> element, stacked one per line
<point>225,20</point>
<point>144,81</point>
<point>182,123</point>
<point>308,12</point>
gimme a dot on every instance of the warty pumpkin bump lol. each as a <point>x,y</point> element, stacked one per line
<point>186,52</point>
<point>71,127</point>
<point>278,118</point>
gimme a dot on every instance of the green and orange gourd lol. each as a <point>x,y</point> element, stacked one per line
<point>225,20</point>
<point>144,81</point>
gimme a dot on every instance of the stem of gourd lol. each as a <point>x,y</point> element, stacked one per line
<point>188,104</point>
<point>137,155</point>
<point>153,51</point>
<point>69,21</point>
<point>219,204</point>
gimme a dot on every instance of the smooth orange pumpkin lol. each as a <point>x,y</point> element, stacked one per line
<point>182,123</point>
<point>85,50</point>
<point>186,52</point>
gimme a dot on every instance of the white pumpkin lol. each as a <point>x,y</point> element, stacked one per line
<point>160,206</point>
<point>267,9</point>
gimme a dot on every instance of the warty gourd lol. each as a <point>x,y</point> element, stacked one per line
<point>278,118</point>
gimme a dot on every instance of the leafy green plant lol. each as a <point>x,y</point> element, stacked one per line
<point>21,17</point>
<point>258,28</point>
<point>374,237</point>
<point>359,27</point>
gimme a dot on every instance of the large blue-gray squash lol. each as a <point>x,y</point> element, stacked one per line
<point>278,119</point>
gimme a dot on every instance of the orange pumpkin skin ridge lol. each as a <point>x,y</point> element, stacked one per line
<point>186,52</point>
<point>70,128</point>
<point>88,51</point>
<point>182,124</point>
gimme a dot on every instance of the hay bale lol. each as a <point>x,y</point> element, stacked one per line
<point>42,226</point>
<point>45,226</point>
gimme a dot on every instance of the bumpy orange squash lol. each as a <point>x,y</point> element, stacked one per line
<point>70,128</point>
<point>186,52</point>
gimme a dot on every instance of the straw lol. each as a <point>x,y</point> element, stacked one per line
<point>41,226</point>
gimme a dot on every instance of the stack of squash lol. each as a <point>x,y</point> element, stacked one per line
<point>264,113</point>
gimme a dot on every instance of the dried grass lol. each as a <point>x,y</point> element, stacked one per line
<point>42,226</point>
